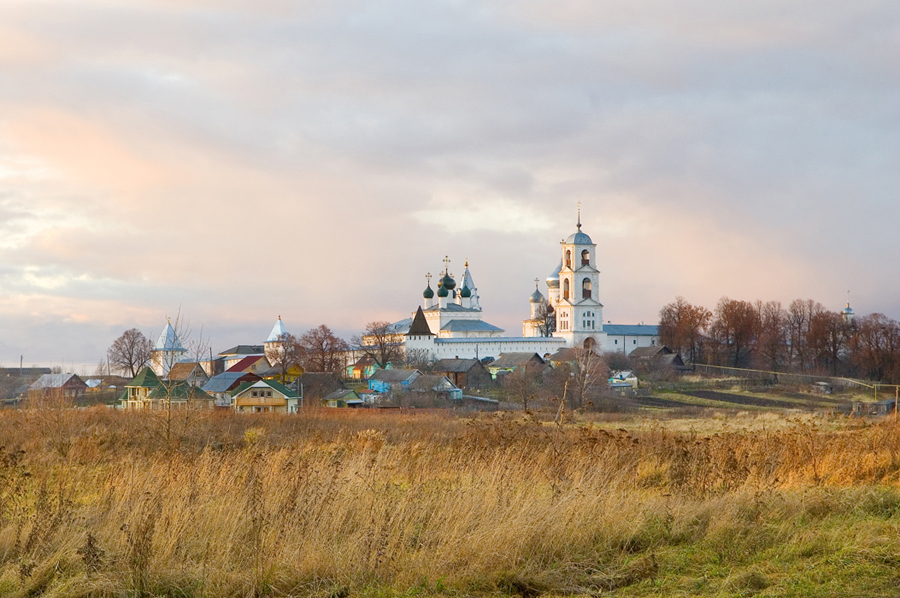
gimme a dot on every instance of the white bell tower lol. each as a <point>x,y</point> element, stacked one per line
<point>579,313</point>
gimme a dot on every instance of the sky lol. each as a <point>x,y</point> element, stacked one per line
<point>232,161</point>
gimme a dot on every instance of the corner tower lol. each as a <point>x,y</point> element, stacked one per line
<point>579,313</point>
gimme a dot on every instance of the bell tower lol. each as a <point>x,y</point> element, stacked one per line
<point>579,313</point>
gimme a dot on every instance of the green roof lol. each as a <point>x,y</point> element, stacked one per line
<point>146,378</point>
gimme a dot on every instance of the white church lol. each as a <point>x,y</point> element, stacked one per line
<point>449,324</point>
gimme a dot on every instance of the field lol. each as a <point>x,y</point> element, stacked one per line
<point>339,504</point>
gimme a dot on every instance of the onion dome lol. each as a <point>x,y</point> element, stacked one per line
<point>536,297</point>
<point>442,291</point>
<point>447,282</point>
<point>847,312</point>
<point>553,279</point>
<point>428,294</point>
<point>465,292</point>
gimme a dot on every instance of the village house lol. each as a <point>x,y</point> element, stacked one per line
<point>189,372</point>
<point>65,386</point>
<point>147,391</point>
<point>222,385</point>
<point>464,373</point>
<point>510,362</point>
<point>385,381</point>
<point>265,396</point>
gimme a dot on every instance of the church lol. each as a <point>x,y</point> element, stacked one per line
<point>449,324</point>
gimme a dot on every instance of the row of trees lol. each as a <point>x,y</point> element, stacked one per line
<point>803,337</point>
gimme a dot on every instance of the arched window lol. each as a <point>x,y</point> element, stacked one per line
<point>566,288</point>
<point>586,288</point>
<point>585,258</point>
<point>568,259</point>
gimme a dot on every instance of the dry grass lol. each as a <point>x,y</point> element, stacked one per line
<point>330,504</point>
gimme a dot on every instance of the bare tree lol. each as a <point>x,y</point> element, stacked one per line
<point>381,342</point>
<point>322,350</point>
<point>522,385</point>
<point>546,317</point>
<point>288,351</point>
<point>130,352</point>
<point>682,325</point>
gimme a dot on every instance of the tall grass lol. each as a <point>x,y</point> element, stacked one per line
<point>103,503</point>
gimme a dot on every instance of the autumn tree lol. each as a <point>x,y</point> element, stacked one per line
<point>322,350</point>
<point>734,330</point>
<point>381,342</point>
<point>130,352</point>
<point>876,347</point>
<point>682,325</point>
<point>828,338</point>
<point>799,317</point>
<point>771,340</point>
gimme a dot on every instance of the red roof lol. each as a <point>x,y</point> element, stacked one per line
<point>245,364</point>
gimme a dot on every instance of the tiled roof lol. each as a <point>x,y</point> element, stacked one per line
<point>146,378</point>
<point>393,375</point>
<point>469,326</point>
<point>631,329</point>
<point>246,363</point>
<point>455,365</point>
<point>427,382</point>
<point>243,350</point>
<point>511,360</point>
<point>183,370</point>
<point>228,380</point>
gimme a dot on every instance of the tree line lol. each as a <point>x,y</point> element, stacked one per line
<point>804,337</point>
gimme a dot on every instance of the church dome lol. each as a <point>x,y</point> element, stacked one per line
<point>428,294</point>
<point>536,297</point>
<point>578,238</point>
<point>442,291</point>
<point>465,292</point>
<point>448,283</point>
<point>553,279</point>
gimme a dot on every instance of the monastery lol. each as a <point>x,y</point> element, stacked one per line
<point>449,323</point>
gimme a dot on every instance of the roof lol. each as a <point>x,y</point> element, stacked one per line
<point>243,350</point>
<point>168,340</point>
<point>631,329</point>
<point>246,363</point>
<point>579,238</point>
<point>56,381</point>
<point>146,378</point>
<point>278,332</point>
<point>183,370</point>
<point>553,279</point>
<point>467,279</point>
<point>281,388</point>
<point>511,360</point>
<point>393,375</point>
<point>229,380</point>
<point>654,351</point>
<point>427,382</point>
<point>178,390</point>
<point>451,307</point>
<point>566,354</point>
<point>343,393</point>
<point>469,326</point>
<point>419,326</point>
<point>24,371</point>
<point>536,297</point>
<point>455,365</point>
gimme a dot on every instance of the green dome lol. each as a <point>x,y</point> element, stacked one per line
<point>428,294</point>
<point>465,292</point>
<point>447,282</point>
<point>443,292</point>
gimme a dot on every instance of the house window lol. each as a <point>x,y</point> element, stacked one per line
<point>586,288</point>
<point>585,258</point>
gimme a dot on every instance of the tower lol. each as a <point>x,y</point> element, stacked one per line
<point>274,345</point>
<point>167,351</point>
<point>579,313</point>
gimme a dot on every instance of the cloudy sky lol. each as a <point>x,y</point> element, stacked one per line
<point>237,160</point>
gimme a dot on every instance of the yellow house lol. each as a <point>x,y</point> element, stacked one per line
<point>265,396</point>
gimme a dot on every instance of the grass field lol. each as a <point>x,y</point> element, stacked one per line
<point>338,504</point>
